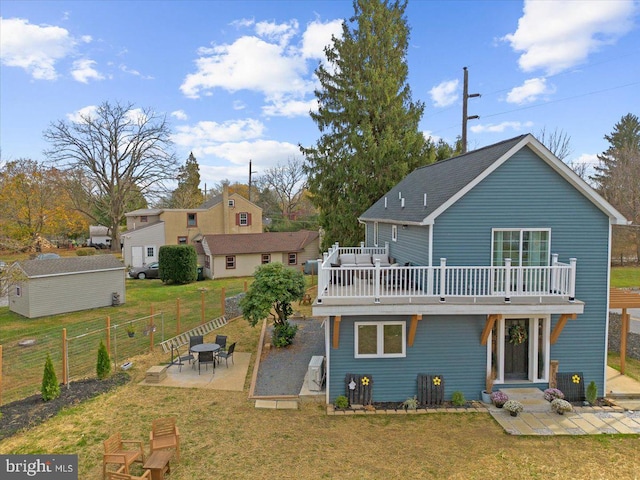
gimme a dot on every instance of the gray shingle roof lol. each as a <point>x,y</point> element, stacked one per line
<point>66,265</point>
<point>440,181</point>
<point>268,242</point>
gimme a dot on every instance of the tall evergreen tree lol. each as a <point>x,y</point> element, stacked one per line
<point>368,120</point>
<point>188,193</point>
<point>617,176</point>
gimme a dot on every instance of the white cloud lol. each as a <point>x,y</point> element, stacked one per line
<point>133,72</point>
<point>269,63</point>
<point>501,127</point>
<point>557,35</point>
<point>204,134</point>
<point>179,115</point>
<point>444,94</point>
<point>430,136</point>
<point>79,115</point>
<point>83,71</point>
<point>34,48</point>
<point>529,91</point>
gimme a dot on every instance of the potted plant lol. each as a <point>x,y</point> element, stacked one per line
<point>560,406</point>
<point>499,398</point>
<point>550,394</point>
<point>513,407</point>
<point>130,330</point>
<point>486,393</point>
<point>517,334</point>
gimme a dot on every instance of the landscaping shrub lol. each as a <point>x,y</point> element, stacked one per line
<point>341,402</point>
<point>283,334</point>
<point>178,264</point>
<point>85,251</point>
<point>50,385</point>
<point>457,398</point>
<point>592,392</point>
<point>103,366</point>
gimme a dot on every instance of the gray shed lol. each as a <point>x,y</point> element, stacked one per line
<point>62,285</point>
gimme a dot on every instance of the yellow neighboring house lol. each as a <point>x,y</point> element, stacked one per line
<point>148,229</point>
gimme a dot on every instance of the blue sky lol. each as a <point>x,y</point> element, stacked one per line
<point>235,78</point>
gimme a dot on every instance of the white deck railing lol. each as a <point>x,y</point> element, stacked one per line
<point>556,280</point>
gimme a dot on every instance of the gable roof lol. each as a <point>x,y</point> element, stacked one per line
<point>69,265</point>
<point>445,182</point>
<point>268,242</point>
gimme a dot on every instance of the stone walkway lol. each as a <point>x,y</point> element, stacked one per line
<point>538,419</point>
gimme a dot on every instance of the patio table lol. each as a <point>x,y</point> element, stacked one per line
<point>205,347</point>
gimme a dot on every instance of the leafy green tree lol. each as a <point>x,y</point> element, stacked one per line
<point>188,194</point>
<point>618,172</point>
<point>369,123</point>
<point>178,263</point>
<point>50,385</point>
<point>117,148</point>
<point>103,365</point>
<point>275,288</point>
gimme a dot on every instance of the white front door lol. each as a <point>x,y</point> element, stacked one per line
<point>137,256</point>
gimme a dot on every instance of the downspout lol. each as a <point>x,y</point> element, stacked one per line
<point>606,330</point>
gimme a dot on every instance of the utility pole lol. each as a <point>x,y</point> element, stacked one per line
<point>466,96</point>
<point>250,173</point>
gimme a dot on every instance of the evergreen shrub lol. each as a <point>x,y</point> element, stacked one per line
<point>50,385</point>
<point>103,366</point>
<point>178,264</point>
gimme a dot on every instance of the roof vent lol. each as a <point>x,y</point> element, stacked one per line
<point>402,202</point>
<point>399,195</point>
<point>425,200</point>
<point>385,202</point>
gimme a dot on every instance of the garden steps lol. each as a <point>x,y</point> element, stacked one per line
<point>531,398</point>
<point>183,338</point>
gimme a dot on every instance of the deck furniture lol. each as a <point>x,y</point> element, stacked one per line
<point>121,452</point>
<point>158,464</point>
<point>164,434</point>
<point>193,341</point>
<point>125,476</point>
<point>156,374</point>
<point>222,341</point>
<point>228,354</point>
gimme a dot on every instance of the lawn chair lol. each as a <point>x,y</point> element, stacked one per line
<point>206,358</point>
<point>164,434</point>
<point>116,453</point>
<point>195,340</point>
<point>222,341</point>
<point>125,476</point>
<point>177,359</point>
<point>228,354</point>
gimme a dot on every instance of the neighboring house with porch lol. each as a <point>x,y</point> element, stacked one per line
<point>239,255</point>
<point>67,284</point>
<point>148,229</point>
<point>496,260</point>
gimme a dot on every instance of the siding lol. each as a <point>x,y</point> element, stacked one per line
<point>460,360</point>
<point>150,236</point>
<point>526,193</point>
<point>70,293</point>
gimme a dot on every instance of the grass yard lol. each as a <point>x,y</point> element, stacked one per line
<point>625,277</point>
<point>632,366</point>
<point>223,432</point>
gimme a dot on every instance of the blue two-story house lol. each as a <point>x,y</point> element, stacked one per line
<point>492,262</point>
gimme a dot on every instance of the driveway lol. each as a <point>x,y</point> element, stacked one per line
<point>634,324</point>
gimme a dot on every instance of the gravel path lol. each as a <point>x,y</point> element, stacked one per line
<point>282,370</point>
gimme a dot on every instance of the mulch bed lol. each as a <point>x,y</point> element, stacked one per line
<point>31,411</point>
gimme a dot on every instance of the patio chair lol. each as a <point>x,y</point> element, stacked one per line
<point>125,476</point>
<point>228,354</point>
<point>206,358</point>
<point>222,341</point>
<point>116,453</point>
<point>195,340</point>
<point>164,434</point>
<point>177,359</point>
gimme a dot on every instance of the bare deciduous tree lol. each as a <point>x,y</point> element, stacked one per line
<point>557,141</point>
<point>288,183</point>
<point>118,150</point>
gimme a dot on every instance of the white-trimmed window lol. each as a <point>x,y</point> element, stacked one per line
<point>525,247</point>
<point>231,203</point>
<point>293,259</point>
<point>266,258</point>
<point>151,252</point>
<point>230,262</point>
<point>380,339</point>
<point>18,291</point>
<point>394,233</point>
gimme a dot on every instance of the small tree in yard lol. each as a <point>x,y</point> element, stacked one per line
<point>274,289</point>
<point>178,263</point>
<point>103,366</point>
<point>50,385</point>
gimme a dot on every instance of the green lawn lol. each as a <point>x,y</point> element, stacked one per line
<point>625,277</point>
